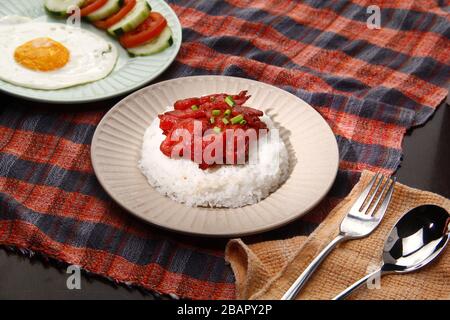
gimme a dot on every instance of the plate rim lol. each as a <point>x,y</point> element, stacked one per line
<point>228,234</point>
<point>130,89</point>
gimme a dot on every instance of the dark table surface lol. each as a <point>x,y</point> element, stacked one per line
<point>425,165</point>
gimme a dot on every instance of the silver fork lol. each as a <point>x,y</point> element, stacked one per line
<point>364,217</point>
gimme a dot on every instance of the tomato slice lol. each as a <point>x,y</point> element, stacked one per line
<point>109,22</point>
<point>145,32</point>
<point>91,6</point>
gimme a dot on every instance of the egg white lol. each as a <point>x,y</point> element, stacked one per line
<point>91,57</point>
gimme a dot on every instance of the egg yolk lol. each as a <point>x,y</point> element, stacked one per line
<point>42,54</point>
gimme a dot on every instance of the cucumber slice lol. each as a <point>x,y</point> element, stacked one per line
<point>111,7</point>
<point>139,14</point>
<point>60,7</point>
<point>159,44</point>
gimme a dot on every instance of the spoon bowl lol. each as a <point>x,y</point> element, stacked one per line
<point>415,240</point>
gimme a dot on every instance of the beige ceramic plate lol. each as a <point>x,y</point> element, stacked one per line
<point>313,156</point>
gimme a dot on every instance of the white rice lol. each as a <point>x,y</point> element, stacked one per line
<point>228,186</point>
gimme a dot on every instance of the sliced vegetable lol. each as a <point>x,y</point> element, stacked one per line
<point>237,119</point>
<point>141,31</point>
<point>194,107</point>
<point>243,122</point>
<point>217,130</point>
<point>147,31</point>
<point>132,20</point>
<point>112,20</point>
<point>227,112</point>
<point>157,45</point>
<point>92,5</point>
<point>60,7</point>
<point>225,121</point>
<point>215,113</point>
<point>110,8</point>
<point>212,120</point>
<point>230,101</point>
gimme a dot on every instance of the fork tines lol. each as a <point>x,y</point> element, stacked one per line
<point>370,198</point>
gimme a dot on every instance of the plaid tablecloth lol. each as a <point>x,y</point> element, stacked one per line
<point>371,85</point>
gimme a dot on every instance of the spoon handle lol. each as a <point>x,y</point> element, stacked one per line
<point>356,285</point>
<point>303,278</point>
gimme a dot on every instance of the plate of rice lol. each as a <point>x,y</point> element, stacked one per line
<point>215,156</point>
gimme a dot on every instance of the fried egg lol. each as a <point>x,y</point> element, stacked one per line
<point>50,56</point>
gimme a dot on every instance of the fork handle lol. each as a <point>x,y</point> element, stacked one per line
<point>344,294</point>
<point>303,278</point>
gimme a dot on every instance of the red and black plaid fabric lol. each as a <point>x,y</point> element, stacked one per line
<point>371,85</point>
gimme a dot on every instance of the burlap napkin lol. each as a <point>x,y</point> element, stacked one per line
<point>266,270</point>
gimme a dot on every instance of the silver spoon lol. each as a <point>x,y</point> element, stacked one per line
<point>416,239</point>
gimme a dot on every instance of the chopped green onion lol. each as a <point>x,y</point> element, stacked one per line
<point>229,100</point>
<point>215,113</point>
<point>227,113</point>
<point>225,121</point>
<point>217,130</point>
<point>237,119</point>
<point>194,107</point>
<point>243,122</point>
<point>212,120</point>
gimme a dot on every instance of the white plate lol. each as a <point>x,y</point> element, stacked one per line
<point>128,75</point>
<point>313,154</point>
